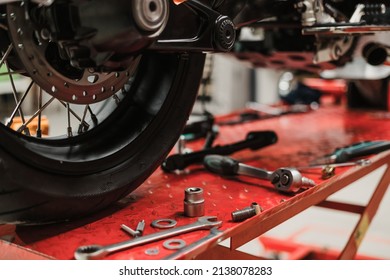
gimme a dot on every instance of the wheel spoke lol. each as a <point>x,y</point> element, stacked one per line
<point>117,99</point>
<point>15,94</point>
<point>39,127</point>
<point>40,110</point>
<point>70,133</point>
<point>2,26</point>
<point>18,72</point>
<point>17,108</point>
<point>6,54</point>
<point>72,112</point>
<point>93,116</point>
<point>83,127</point>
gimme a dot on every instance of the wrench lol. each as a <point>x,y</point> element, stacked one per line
<point>284,179</point>
<point>92,252</point>
<point>181,252</point>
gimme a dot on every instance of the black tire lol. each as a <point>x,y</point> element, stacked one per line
<point>46,181</point>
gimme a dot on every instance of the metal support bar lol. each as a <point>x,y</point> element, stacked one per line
<point>357,209</point>
<point>223,253</point>
<point>367,216</point>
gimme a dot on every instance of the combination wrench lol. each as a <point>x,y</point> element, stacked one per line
<point>181,253</point>
<point>93,252</point>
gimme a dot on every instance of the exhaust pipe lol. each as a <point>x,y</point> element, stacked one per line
<point>376,54</point>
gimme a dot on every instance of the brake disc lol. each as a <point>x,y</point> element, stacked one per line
<point>43,63</point>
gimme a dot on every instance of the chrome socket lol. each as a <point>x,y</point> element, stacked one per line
<point>194,202</point>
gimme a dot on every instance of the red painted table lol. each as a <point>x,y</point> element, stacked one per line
<point>302,138</point>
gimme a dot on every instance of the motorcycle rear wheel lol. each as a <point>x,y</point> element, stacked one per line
<point>51,180</point>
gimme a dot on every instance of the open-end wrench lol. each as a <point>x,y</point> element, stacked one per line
<point>181,253</point>
<point>284,179</point>
<point>91,252</point>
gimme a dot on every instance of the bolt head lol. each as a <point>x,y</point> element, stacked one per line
<point>285,180</point>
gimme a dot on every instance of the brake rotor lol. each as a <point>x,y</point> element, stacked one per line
<point>54,75</point>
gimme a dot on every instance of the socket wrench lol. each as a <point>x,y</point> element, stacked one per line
<point>93,252</point>
<point>284,179</point>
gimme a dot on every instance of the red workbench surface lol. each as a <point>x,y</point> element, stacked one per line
<point>301,138</point>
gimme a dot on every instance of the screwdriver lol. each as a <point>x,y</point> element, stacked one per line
<point>350,152</point>
<point>360,162</point>
<point>329,170</point>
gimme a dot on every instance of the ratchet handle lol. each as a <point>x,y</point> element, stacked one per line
<point>221,165</point>
<point>254,141</point>
<point>226,166</point>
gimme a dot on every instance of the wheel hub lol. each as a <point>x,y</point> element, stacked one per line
<point>150,15</point>
<point>54,74</point>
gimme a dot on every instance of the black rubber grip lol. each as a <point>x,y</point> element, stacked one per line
<point>254,141</point>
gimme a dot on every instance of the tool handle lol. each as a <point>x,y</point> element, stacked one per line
<point>254,141</point>
<point>363,149</point>
<point>221,165</point>
<point>226,166</point>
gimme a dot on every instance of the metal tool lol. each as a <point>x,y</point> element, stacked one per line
<point>214,232</point>
<point>90,252</point>
<point>198,126</point>
<point>360,162</point>
<point>163,223</point>
<point>347,153</point>
<point>210,137</point>
<point>194,202</point>
<point>254,141</point>
<point>284,179</point>
<point>137,232</point>
<point>278,111</point>
<point>152,252</point>
<point>246,213</point>
<point>329,170</point>
<point>174,244</point>
<point>241,118</point>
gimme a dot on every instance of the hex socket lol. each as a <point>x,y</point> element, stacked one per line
<point>193,202</point>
